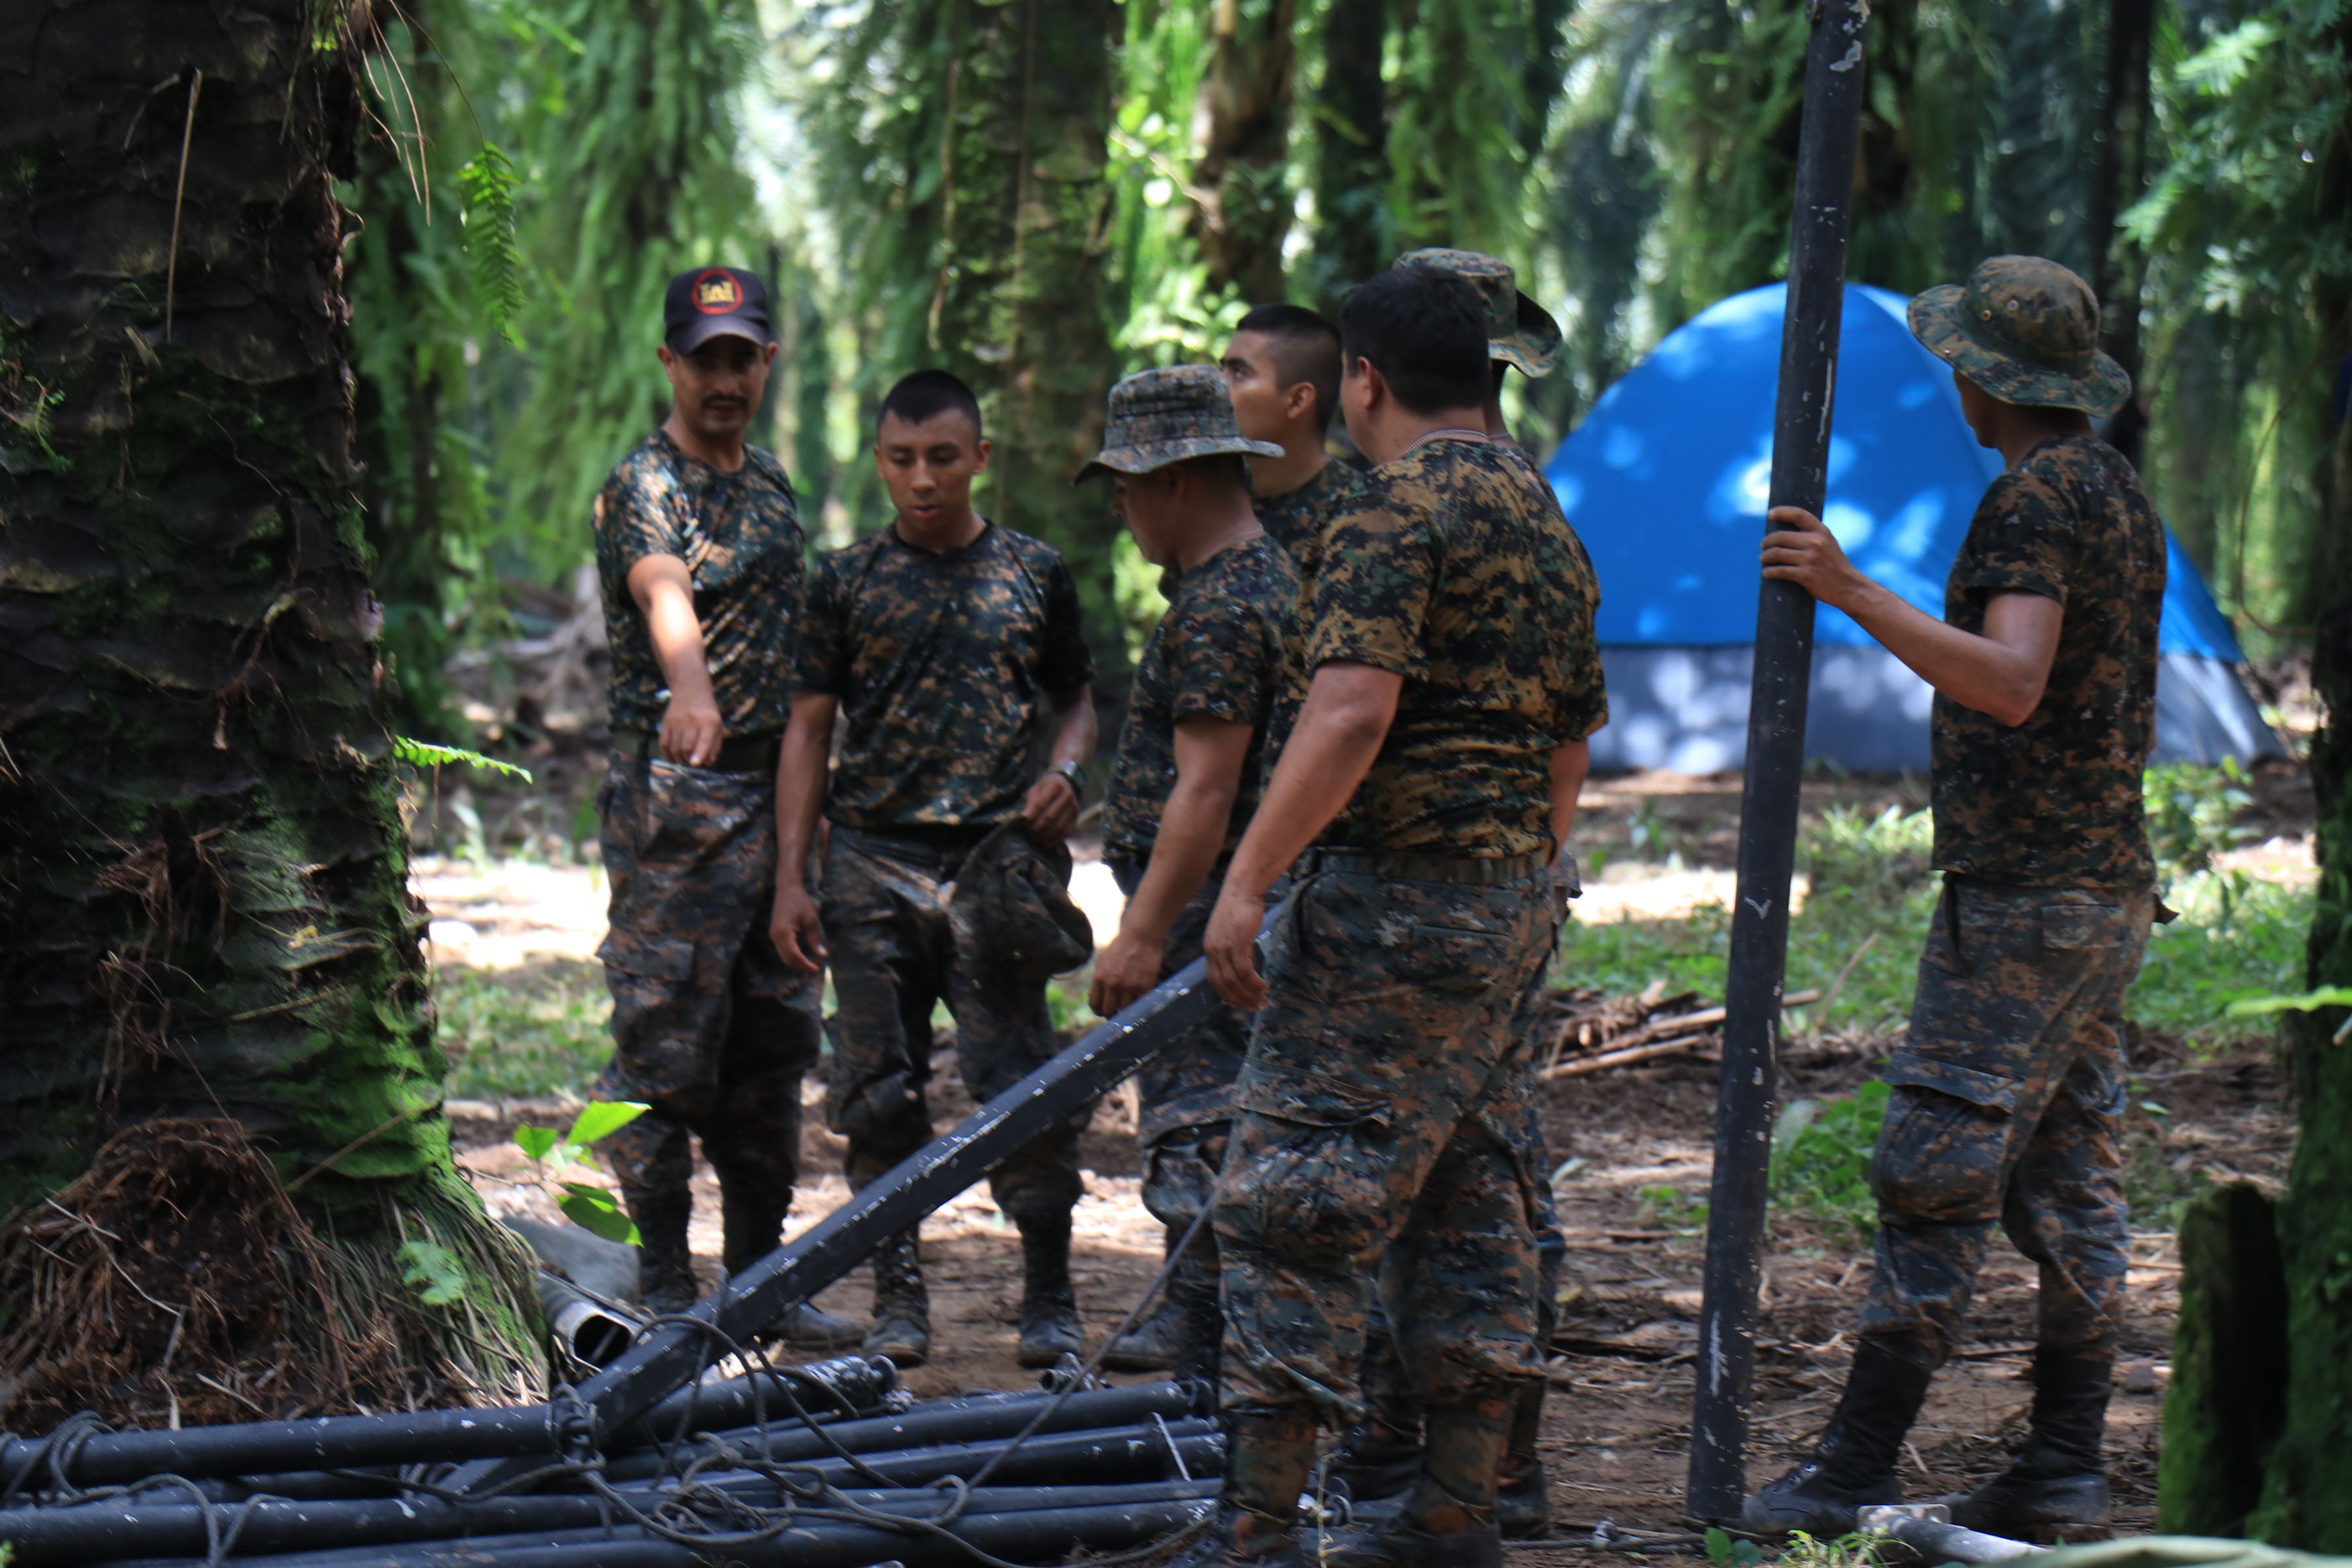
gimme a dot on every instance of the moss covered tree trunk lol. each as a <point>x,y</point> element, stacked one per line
<point>2308,1500</point>
<point>1018,300</point>
<point>1245,107</point>
<point>206,916</point>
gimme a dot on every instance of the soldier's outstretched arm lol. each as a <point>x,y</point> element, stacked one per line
<point>2002,673</point>
<point>691,730</point>
<point>1337,738</point>
<point>799,797</point>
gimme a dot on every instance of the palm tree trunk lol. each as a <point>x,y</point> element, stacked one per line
<point>1356,237</point>
<point>206,915</point>
<point>1246,102</point>
<point>1018,307</point>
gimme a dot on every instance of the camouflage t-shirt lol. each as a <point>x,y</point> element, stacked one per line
<point>2055,802</point>
<point>1217,653</point>
<point>1456,570</point>
<point>1296,518</point>
<point>739,536</point>
<point>943,665</point>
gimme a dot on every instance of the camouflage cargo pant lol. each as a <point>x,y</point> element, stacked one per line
<point>710,1028</point>
<point>1382,1117</point>
<point>1184,1095</point>
<point>2007,1110</point>
<point>896,957</point>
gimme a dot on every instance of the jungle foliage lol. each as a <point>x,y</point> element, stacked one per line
<point>1043,198</point>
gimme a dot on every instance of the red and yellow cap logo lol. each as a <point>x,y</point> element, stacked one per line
<point>716,292</point>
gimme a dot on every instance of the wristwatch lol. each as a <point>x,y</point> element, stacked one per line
<point>1075,774</point>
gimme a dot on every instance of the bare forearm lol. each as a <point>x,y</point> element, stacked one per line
<point>800,786</point>
<point>1328,756</point>
<point>1192,832</point>
<point>1076,730</point>
<point>1568,765</point>
<point>1993,677</point>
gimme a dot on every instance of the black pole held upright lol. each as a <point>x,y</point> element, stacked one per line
<point>1776,739</point>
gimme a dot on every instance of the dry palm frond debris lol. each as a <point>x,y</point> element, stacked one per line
<point>174,1283</point>
<point>1585,1030</point>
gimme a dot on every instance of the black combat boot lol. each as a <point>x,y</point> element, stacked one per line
<point>1448,1517</point>
<point>902,1306</point>
<point>1522,1489</point>
<point>1268,1460</point>
<point>1374,1464</point>
<point>1853,1466</point>
<point>1182,1333</point>
<point>2058,1483</point>
<point>1049,1307</point>
<point>753,1215</point>
<point>664,1262</point>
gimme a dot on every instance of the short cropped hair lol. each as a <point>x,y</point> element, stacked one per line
<point>927,395</point>
<point>1305,348</point>
<point>1425,332</point>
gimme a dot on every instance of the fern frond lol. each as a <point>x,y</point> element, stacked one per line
<point>488,181</point>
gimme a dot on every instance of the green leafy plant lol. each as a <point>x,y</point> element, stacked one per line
<point>1855,1551</point>
<point>536,1030</point>
<point>488,181</point>
<point>1673,1209</point>
<point>1725,1552</point>
<point>1820,1158</point>
<point>2192,814</point>
<point>586,1205</point>
<point>435,1272</point>
<point>426,754</point>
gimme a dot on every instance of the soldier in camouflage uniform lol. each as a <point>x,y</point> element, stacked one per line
<point>1379,1459</point>
<point>942,642</point>
<point>1182,790</point>
<point>698,552</point>
<point>1447,662</point>
<point>2009,1088</point>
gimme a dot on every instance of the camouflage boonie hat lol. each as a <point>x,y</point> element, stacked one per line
<point>2025,330</point>
<point>1163,416</point>
<point>1519,332</point>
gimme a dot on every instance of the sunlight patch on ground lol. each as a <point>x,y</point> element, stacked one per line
<point>501,913</point>
<point>1636,891</point>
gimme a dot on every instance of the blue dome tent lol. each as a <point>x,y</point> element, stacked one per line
<point>1665,483</point>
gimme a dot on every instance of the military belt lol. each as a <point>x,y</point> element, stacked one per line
<point>737,754</point>
<point>1477,872</point>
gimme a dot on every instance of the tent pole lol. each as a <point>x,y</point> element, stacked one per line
<point>1775,768</point>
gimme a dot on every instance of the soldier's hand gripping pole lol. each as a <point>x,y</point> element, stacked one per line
<point>1775,738</point>
<point>674,1356</point>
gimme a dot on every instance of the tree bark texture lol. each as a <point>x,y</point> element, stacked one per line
<point>205,908</point>
<point>1245,140</point>
<point>1018,299</point>
<point>2307,1502</point>
<point>2118,267</point>
<point>1355,237</point>
<point>2227,1401</point>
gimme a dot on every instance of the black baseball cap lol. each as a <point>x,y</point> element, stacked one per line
<point>709,302</point>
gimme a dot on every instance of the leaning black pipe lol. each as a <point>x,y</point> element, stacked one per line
<point>359,1442</point>
<point>1030,1524</point>
<point>1099,1457</point>
<point>943,1168</point>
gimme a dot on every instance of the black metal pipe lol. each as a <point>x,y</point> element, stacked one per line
<point>1098,1456</point>
<point>163,1523</point>
<point>797,1271</point>
<point>976,1420</point>
<point>90,1533</point>
<point>1023,1524</point>
<point>1775,768</point>
<point>359,1442</point>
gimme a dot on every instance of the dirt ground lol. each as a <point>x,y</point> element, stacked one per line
<point>1616,1431</point>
